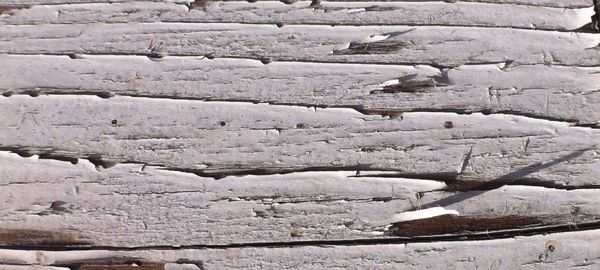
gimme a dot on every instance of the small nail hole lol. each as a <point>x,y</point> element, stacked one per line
<point>104,95</point>
<point>448,124</point>
<point>223,123</point>
<point>114,121</point>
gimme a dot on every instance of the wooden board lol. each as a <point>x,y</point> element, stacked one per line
<point>540,91</point>
<point>576,250</point>
<point>432,45</point>
<point>228,137</point>
<point>132,205</point>
<point>305,12</point>
<point>548,3</point>
<point>193,135</point>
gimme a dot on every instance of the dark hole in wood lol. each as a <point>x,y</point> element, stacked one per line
<point>265,60</point>
<point>448,124</point>
<point>99,162</point>
<point>210,56</point>
<point>104,94</point>
<point>75,56</point>
<point>551,248</point>
<point>301,125</point>
<point>58,206</point>
<point>50,155</point>
<point>32,93</point>
<point>279,25</point>
<point>222,123</point>
<point>155,55</point>
<point>23,153</point>
<point>114,121</point>
<point>8,94</point>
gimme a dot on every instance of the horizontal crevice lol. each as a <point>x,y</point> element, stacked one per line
<point>452,180</point>
<point>162,55</point>
<point>463,237</point>
<point>583,29</point>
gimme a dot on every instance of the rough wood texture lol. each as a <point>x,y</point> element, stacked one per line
<point>304,12</point>
<point>225,137</point>
<point>548,3</point>
<point>577,250</point>
<point>193,135</point>
<point>548,92</point>
<point>144,206</point>
<point>434,45</point>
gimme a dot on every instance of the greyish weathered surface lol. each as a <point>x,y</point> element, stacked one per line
<point>548,92</point>
<point>434,45</point>
<point>577,250</point>
<point>304,12</point>
<point>147,206</point>
<point>188,135</point>
<point>229,137</point>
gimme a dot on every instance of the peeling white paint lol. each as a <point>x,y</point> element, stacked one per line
<point>423,214</point>
<point>375,38</point>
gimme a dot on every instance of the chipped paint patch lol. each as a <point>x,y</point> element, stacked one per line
<point>423,214</point>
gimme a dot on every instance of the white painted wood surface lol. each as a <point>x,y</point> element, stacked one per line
<point>225,137</point>
<point>147,206</point>
<point>547,92</point>
<point>303,12</point>
<point>549,3</point>
<point>299,134</point>
<point>434,45</point>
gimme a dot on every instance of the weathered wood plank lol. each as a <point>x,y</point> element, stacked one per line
<point>564,93</point>
<point>30,267</point>
<point>549,3</point>
<point>132,205</point>
<point>554,251</point>
<point>335,13</point>
<point>223,137</point>
<point>434,45</point>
